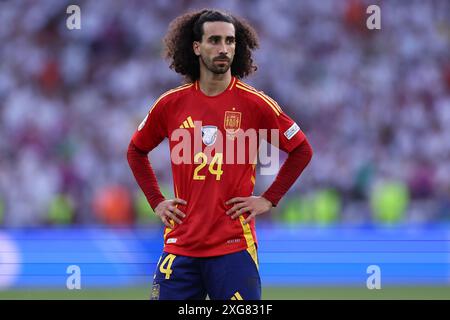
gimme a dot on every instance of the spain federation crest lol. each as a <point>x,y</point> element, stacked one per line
<point>232,123</point>
<point>209,135</point>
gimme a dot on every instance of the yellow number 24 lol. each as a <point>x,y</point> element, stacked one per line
<point>201,157</point>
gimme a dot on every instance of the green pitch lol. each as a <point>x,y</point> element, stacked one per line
<point>269,293</point>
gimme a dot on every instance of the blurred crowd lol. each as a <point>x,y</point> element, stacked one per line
<point>375,104</point>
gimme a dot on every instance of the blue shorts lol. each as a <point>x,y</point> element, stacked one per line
<point>232,276</point>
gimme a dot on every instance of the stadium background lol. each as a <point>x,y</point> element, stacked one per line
<point>374,104</point>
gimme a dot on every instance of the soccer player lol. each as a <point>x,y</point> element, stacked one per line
<point>210,245</point>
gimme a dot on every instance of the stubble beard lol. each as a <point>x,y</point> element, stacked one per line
<point>215,69</point>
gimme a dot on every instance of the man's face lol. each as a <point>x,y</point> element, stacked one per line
<point>216,50</point>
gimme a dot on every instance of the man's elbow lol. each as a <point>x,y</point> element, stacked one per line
<point>130,152</point>
<point>308,150</point>
<point>133,153</point>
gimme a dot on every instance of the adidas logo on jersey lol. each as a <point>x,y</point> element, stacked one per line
<point>188,123</point>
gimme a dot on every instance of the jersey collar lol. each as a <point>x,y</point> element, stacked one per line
<point>230,87</point>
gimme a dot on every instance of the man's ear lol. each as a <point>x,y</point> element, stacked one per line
<point>196,47</point>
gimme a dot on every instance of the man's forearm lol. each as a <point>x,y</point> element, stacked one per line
<point>144,175</point>
<point>291,169</point>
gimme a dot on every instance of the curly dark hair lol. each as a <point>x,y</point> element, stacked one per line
<point>187,28</point>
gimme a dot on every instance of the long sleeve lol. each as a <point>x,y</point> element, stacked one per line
<point>291,169</point>
<point>144,175</point>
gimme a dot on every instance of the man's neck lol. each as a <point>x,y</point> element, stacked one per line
<point>213,84</point>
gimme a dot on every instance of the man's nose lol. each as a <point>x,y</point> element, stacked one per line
<point>223,48</point>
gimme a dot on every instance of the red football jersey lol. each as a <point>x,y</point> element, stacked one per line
<point>205,172</point>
